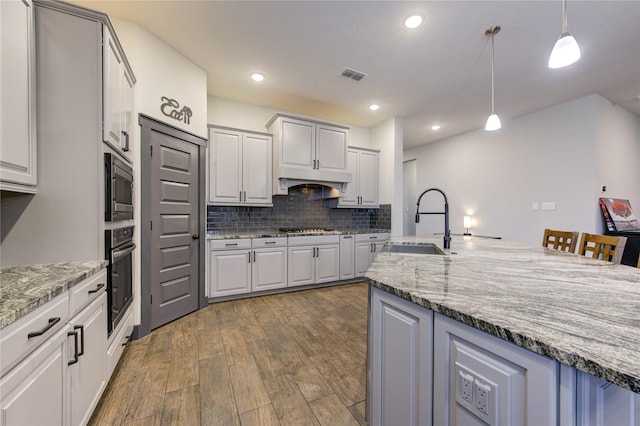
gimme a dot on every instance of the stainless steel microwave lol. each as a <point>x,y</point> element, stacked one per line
<point>118,189</point>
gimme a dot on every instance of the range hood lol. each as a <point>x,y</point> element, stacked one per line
<point>337,180</point>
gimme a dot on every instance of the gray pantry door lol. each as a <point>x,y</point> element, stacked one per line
<point>174,245</point>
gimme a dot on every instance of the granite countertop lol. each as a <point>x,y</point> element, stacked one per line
<point>25,288</point>
<point>579,311</point>
<point>224,235</point>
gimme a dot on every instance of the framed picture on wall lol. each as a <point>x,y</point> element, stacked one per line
<point>618,214</point>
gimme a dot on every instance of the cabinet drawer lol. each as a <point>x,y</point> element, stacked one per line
<point>84,292</point>
<point>15,342</point>
<point>310,240</point>
<point>372,237</point>
<point>231,244</point>
<point>269,242</point>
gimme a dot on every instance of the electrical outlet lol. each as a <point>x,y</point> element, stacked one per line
<point>483,392</point>
<point>466,387</point>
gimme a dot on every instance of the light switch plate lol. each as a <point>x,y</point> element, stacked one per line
<point>548,205</point>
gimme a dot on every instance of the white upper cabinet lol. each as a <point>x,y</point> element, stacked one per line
<point>362,191</point>
<point>239,167</point>
<point>308,151</point>
<point>117,98</point>
<point>17,97</point>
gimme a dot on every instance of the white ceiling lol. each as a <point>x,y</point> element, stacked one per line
<point>437,73</point>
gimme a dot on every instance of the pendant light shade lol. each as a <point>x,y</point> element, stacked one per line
<point>493,122</point>
<point>566,50</point>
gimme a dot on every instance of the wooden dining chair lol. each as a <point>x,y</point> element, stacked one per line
<point>560,240</point>
<point>604,247</point>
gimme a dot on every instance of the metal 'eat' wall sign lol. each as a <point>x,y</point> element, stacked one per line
<point>170,108</point>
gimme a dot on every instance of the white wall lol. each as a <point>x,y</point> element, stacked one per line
<point>618,153</point>
<point>239,115</point>
<point>551,155</point>
<point>387,137</point>
<point>163,71</point>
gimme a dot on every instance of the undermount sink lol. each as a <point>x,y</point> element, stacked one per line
<point>415,249</point>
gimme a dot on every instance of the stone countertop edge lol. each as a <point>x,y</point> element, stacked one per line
<point>560,345</point>
<point>27,287</point>
<point>274,234</point>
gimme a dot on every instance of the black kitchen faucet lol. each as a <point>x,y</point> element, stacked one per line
<point>447,232</point>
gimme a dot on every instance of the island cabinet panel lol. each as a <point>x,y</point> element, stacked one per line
<point>602,403</point>
<point>400,363</point>
<point>480,379</point>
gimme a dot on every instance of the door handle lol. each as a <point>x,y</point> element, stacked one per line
<point>81,328</point>
<point>51,323</point>
<point>125,148</point>
<point>75,347</point>
<point>97,289</point>
<point>195,236</point>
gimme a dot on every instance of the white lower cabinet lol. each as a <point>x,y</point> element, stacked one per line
<point>602,403</point>
<point>366,248</point>
<point>229,267</point>
<point>268,263</point>
<point>400,361</point>
<point>59,374</point>
<point>347,257</point>
<point>313,260</point>
<point>33,393</point>
<point>87,375</point>
<point>118,340</point>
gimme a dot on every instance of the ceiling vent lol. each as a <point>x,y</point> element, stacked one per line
<point>352,74</point>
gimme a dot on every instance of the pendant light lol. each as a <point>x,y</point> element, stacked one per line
<point>493,122</point>
<point>566,50</point>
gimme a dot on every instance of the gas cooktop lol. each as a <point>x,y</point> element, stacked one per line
<point>306,230</point>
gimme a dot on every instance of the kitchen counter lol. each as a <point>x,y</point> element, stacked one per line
<point>215,235</point>
<point>25,288</point>
<point>579,311</point>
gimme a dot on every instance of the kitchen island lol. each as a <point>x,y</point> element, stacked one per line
<point>467,313</point>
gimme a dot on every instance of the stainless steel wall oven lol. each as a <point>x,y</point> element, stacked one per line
<point>119,248</point>
<point>118,189</point>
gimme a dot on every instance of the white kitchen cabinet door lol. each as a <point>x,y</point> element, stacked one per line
<point>347,257</point>
<point>225,166</point>
<point>269,269</point>
<point>331,148</point>
<point>363,257</point>
<point>117,93</point>
<point>480,379</point>
<point>17,102</point>
<point>256,168</point>
<point>230,272</point>
<point>327,266</point>
<point>602,403</point>
<point>400,361</point>
<point>362,191</point>
<point>351,194</point>
<point>297,144</point>
<point>301,266</point>
<point>87,376</point>
<point>368,178</point>
<point>112,92</point>
<point>33,393</point>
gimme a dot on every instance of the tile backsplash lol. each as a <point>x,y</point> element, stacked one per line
<point>301,208</point>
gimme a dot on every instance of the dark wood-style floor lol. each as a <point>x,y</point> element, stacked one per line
<point>288,359</point>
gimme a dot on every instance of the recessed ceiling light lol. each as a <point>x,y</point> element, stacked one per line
<point>435,127</point>
<point>414,20</point>
<point>374,107</point>
<point>256,76</point>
